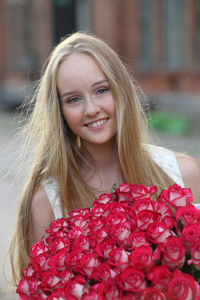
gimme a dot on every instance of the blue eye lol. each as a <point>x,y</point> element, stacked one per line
<point>73,100</point>
<point>102,90</point>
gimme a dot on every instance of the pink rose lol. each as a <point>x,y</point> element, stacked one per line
<point>56,294</point>
<point>92,294</point>
<point>104,271</point>
<point>173,252</point>
<point>81,220</point>
<point>125,187</point>
<point>58,224</point>
<point>137,239</point>
<point>38,248</point>
<point>122,232</point>
<point>74,289</point>
<point>104,198</point>
<point>57,261</point>
<point>124,196</point>
<point>82,242</point>
<point>104,248</point>
<point>115,218</point>
<point>153,293</point>
<point>195,255</point>
<point>119,258</point>
<point>116,207</point>
<point>141,258</point>
<point>99,236</point>
<point>144,218</point>
<point>144,204</point>
<point>88,263</point>
<point>132,279</point>
<point>96,224</point>
<point>73,258</point>
<point>108,290</point>
<point>139,191</point>
<point>130,193</point>
<point>81,212</point>
<point>28,272</point>
<point>189,215</point>
<point>123,193</point>
<point>160,276</point>
<point>164,214</point>
<point>40,263</point>
<point>158,233</point>
<point>50,280</point>
<point>183,287</point>
<point>176,196</point>
<point>27,287</point>
<point>75,232</point>
<point>59,244</point>
<point>100,209</point>
<point>191,235</point>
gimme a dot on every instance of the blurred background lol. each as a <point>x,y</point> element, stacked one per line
<point>158,39</point>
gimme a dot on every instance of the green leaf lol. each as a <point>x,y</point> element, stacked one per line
<point>180,225</point>
<point>157,261</point>
<point>114,187</point>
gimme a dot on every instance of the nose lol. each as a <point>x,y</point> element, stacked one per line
<point>91,107</point>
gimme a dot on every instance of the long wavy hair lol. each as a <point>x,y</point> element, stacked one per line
<point>55,150</point>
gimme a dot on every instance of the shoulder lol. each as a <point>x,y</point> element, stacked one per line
<point>190,171</point>
<point>41,212</point>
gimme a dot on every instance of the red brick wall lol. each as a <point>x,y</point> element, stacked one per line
<point>116,21</point>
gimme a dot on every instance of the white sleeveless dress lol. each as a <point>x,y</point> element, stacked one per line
<point>163,157</point>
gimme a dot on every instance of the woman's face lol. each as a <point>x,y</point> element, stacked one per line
<point>86,99</point>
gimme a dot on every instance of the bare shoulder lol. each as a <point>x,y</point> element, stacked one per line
<point>190,171</point>
<point>42,213</point>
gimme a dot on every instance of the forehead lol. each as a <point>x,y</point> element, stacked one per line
<point>76,61</point>
<point>78,66</point>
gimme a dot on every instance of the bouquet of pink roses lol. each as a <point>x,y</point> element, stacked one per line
<point>127,246</point>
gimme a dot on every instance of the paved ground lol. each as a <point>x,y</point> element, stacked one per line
<point>189,143</point>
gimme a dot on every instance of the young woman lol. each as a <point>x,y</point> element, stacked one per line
<point>88,132</point>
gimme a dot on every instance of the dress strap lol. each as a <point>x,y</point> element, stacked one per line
<point>51,188</point>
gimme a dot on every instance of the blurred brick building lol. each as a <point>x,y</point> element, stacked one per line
<point>160,39</point>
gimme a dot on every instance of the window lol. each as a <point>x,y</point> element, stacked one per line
<point>174,34</point>
<point>163,34</point>
<point>146,59</point>
<point>197,32</point>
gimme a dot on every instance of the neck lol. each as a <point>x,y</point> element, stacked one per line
<point>102,156</point>
<point>106,167</point>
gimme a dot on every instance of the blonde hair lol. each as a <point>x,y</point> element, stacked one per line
<point>56,151</point>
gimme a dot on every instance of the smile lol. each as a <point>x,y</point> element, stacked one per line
<point>98,123</point>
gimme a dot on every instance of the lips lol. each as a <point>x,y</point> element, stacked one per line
<point>97,123</point>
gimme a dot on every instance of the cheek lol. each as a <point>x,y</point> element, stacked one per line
<point>110,106</point>
<point>71,117</point>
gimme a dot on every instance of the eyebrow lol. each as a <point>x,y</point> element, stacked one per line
<point>93,85</point>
